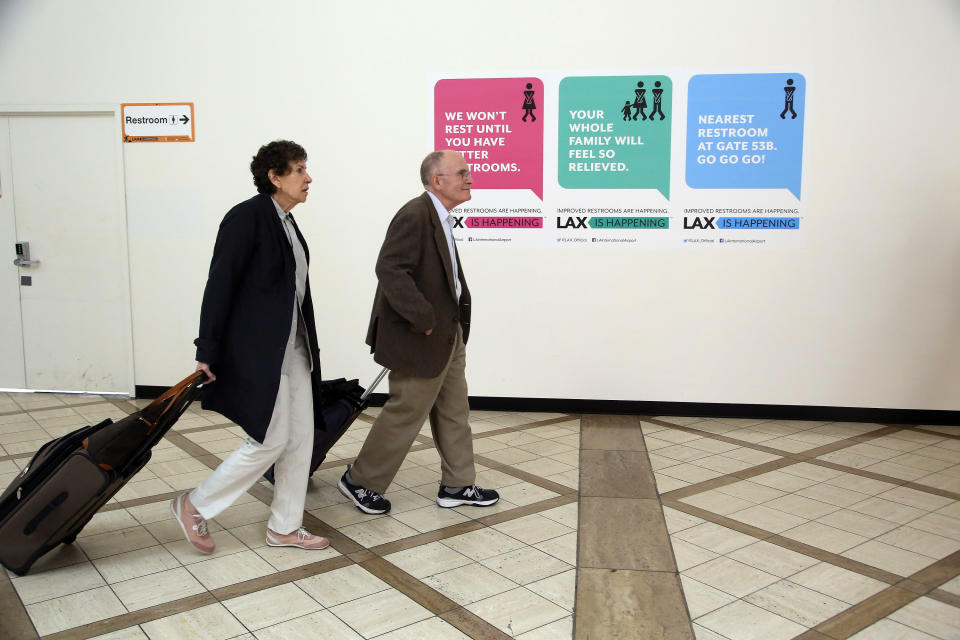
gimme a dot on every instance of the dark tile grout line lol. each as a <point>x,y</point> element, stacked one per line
<point>464,620</point>
<point>56,406</point>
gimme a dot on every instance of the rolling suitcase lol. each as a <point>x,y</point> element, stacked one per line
<point>343,401</point>
<point>70,478</point>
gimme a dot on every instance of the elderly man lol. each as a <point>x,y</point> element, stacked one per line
<point>418,329</point>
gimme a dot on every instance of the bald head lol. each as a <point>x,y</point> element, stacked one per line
<point>446,175</point>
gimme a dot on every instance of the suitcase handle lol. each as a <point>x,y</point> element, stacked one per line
<point>35,522</point>
<point>373,385</point>
<point>175,399</point>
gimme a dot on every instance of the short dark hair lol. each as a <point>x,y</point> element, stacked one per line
<point>429,166</point>
<point>276,155</point>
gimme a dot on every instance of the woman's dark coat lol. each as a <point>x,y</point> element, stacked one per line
<point>246,316</point>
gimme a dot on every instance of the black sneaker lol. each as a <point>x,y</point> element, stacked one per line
<point>366,500</point>
<point>472,495</point>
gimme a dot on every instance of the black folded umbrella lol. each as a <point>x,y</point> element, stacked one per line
<point>343,400</point>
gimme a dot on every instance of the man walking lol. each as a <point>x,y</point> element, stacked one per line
<point>418,329</point>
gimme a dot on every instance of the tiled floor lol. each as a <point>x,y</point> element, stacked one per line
<point>649,528</point>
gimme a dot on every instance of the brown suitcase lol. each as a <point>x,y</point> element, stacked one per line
<point>70,478</point>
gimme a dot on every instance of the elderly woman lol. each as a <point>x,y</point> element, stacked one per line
<point>258,341</point>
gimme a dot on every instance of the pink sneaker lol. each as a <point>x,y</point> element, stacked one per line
<point>192,524</point>
<point>301,539</point>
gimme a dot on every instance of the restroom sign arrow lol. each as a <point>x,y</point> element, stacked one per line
<point>157,121</point>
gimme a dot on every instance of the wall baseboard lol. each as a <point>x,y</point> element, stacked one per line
<point>700,409</point>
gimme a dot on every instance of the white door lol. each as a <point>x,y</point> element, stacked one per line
<point>65,322</point>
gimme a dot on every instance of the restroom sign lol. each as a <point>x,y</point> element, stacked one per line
<point>157,121</point>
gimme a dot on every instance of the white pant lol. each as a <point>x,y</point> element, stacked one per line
<point>288,445</point>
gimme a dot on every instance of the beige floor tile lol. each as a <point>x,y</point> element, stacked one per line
<point>340,515</point>
<point>743,621</point>
<point>712,446</point>
<point>283,558</point>
<point>512,456</point>
<point>702,598</point>
<point>731,577</point>
<point>666,483</point>
<point>565,515</point>
<point>801,506</point>
<point>133,564</point>
<point>952,586</point>
<point>824,537</point>
<point>678,520</point>
<point>888,510</point>
<point>561,629</point>
<point>270,607</point>
<point>517,611</point>
<point>427,560</point>
<point>38,586</point>
<point>562,547</point>
<point>889,630</point>
<point>722,464</point>
<point>751,492</point>
<point>430,518</point>
<point>231,569</point>
<point>772,559</point>
<point>928,463</point>
<point>682,453</point>
<point>532,529</point>
<point>861,484</point>
<point>559,589</point>
<point>74,610</point>
<point>889,558</point>
<point>482,544</point>
<point>689,555</point>
<point>144,489</point>
<point>832,494</point>
<point>949,480</point>
<point>525,493</point>
<point>241,514</point>
<point>794,602</point>
<point>381,612</point>
<point>915,498</point>
<point>130,633</point>
<point>783,481</point>
<point>469,583</point>
<point>717,502</point>
<point>212,622</point>
<point>715,537</point>
<point>837,582</point>
<point>157,588</point>
<point>525,565</point>
<point>768,519</point>
<point>702,633</point>
<point>342,585</point>
<point>894,470</point>
<point>379,531</point>
<point>938,524</point>
<point>429,629</point>
<point>921,542</point>
<point>108,521</point>
<point>858,523</point>
<point>114,542</point>
<point>931,616</point>
<point>690,473</point>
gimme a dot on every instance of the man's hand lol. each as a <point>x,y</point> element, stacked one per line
<point>428,332</point>
<point>203,366</point>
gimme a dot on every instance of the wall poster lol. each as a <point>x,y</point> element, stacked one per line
<point>653,159</point>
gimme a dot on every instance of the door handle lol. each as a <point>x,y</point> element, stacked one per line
<point>20,262</point>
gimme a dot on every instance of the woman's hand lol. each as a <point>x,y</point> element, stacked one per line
<point>203,366</point>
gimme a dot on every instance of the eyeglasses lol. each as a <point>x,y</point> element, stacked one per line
<point>464,174</point>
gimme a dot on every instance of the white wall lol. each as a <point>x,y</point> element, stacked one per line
<point>866,314</point>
